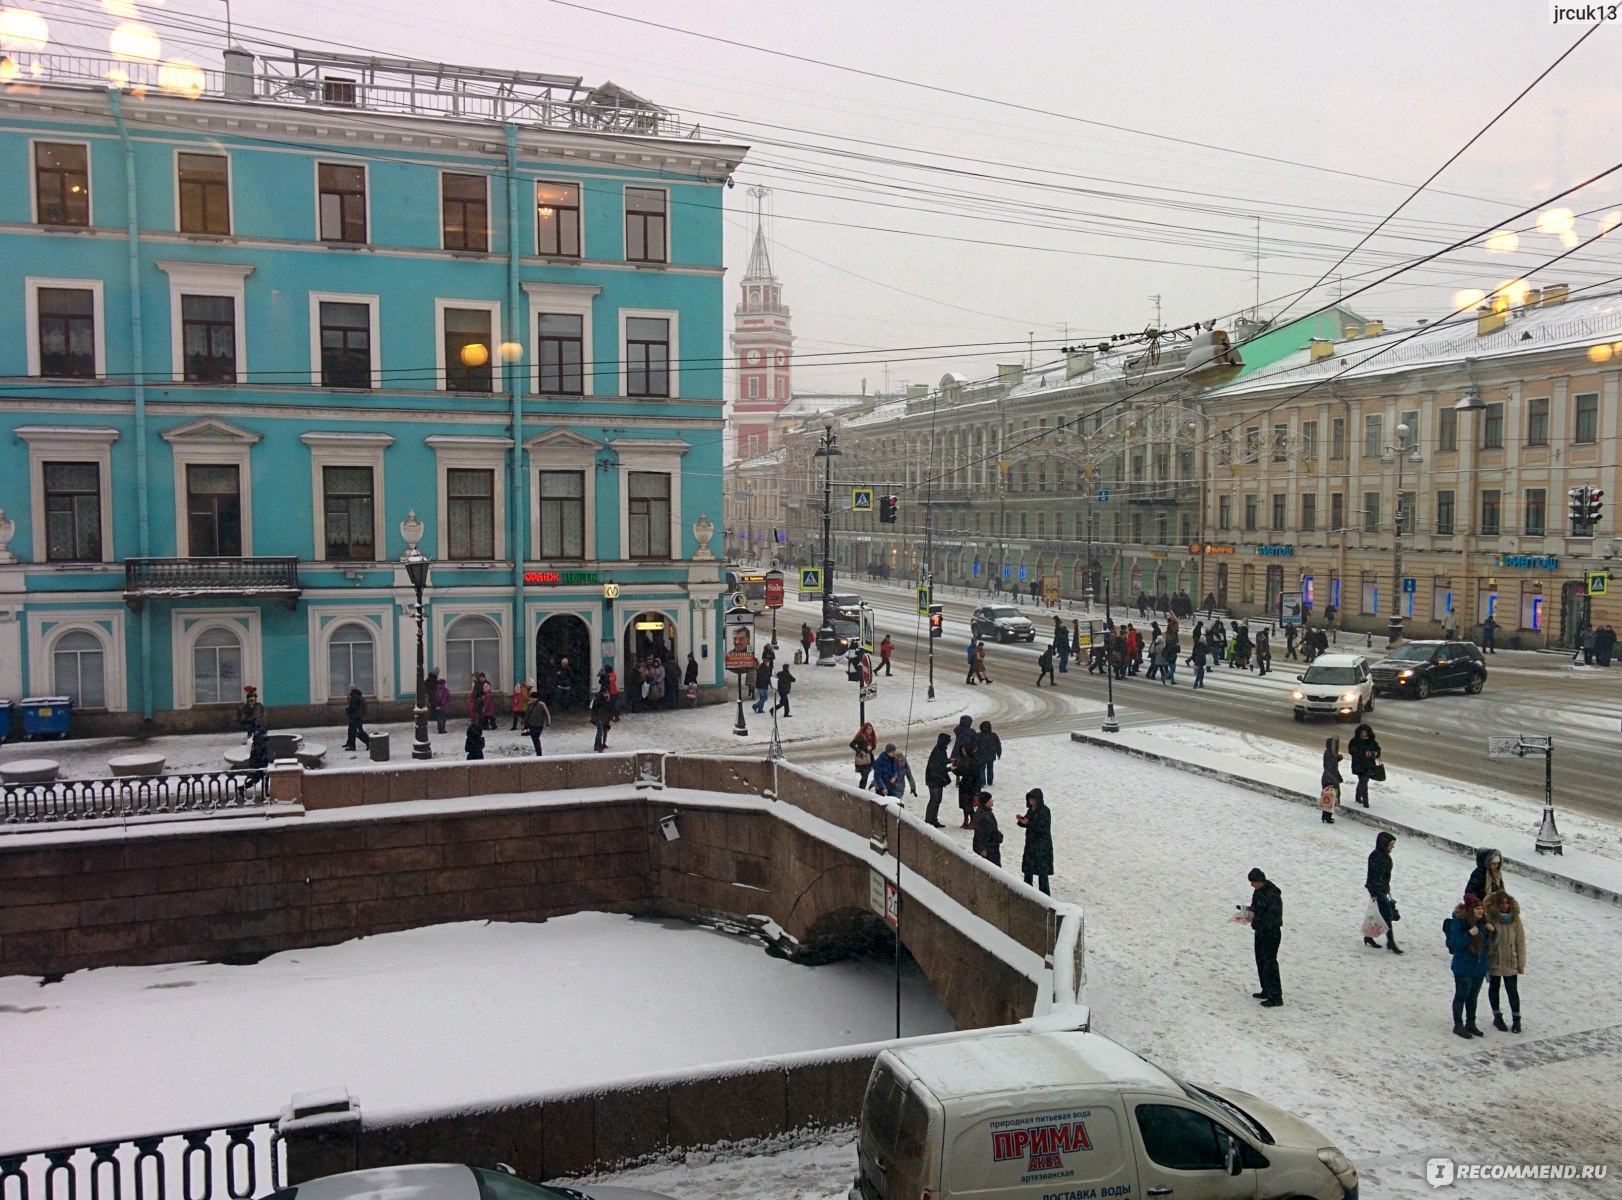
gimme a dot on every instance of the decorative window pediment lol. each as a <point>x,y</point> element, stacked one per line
<point>210,429</point>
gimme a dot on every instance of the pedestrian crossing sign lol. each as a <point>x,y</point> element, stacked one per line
<point>925,595</point>
<point>861,499</point>
<point>1598,583</point>
<point>810,579</point>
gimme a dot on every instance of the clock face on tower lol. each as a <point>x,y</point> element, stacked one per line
<point>782,358</point>
<point>752,358</point>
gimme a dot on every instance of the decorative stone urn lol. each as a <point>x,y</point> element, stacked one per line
<point>411,530</point>
<point>703,531</point>
<point>8,530</point>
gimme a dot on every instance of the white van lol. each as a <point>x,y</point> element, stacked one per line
<point>1075,1116</point>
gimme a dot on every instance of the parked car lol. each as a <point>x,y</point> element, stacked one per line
<point>1001,623</point>
<point>1419,668</point>
<point>1022,1116</point>
<point>1334,685</point>
<point>445,1181</point>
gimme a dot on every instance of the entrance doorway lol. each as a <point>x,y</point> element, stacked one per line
<point>1222,586</point>
<point>1574,611</point>
<point>563,637</point>
<point>650,635</point>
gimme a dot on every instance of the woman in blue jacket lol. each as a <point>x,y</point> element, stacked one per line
<point>1470,939</point>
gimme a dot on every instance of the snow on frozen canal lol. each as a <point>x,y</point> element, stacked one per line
<point>430,1017</point>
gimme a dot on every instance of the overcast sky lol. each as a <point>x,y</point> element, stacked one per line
<point>893,221</point>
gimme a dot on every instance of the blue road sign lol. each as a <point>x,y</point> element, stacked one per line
<point>1103,495</point>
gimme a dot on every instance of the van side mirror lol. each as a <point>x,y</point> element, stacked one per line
<point>1234,1161</point>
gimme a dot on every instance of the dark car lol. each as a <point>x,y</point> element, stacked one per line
<point>1001,623</point>
<point>847,605</point>
<point>1419,668</point>
<point>845,635</point>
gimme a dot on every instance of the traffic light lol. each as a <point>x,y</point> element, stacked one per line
<point>1577,499</point>
<point>887,507</point>
<point>1596,505</point>
<point>937,620</point>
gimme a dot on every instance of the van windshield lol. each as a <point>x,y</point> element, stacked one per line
<point>1228,1109</point>
<point>1335,675</point>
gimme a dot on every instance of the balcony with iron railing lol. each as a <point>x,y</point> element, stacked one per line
<point>182,578</point>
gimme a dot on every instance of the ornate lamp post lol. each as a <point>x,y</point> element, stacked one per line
<point>827,450</point>
<point>1401,452</point>
<point>416,567</point>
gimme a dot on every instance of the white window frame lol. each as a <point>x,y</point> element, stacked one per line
<point>210,442</point>
<point>89,175</point>
<point>470,452</point>
<point>651,454</point>
<point>218,151</point>
<point>206,279</point>
<point>489,214</point>
<point>563,450</point>
<point>373,304</point>
<point>107,626</point>
<point>315,179</point>
<point>625,212</point>
<point>324,620</point>
<point>443,614</point>
<point>68,443</point>
<point>493,307</point>
<point>187,624</point>
<point>345,449</point>
<point>659,314</point>
<point>98,313</point>
<point>570,300</point>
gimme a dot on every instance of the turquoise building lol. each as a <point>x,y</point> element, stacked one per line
<point>268,326</point>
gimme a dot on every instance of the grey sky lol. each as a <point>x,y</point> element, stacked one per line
<point>863,245</point>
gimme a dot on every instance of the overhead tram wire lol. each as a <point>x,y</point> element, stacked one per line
<point>1459,153</point>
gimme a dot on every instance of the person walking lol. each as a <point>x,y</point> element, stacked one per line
<point>886,649</point>
<point>987,750</point>
<point>1489,632</point>
<point>1289,641</point>
<point>1378,885</point>
<point>987,837</point>
<point>969,659</point>
<point>1470,939</point>
<point>439,698</point>
<point>250,713</point>
<point>863,745</point>
<point>763,683</point>
<point>1267,924</point>
<point>904,775</point>
<point>536,718</point>
<point>1037,821</point>
<point>937,775</point>
<point>355,713</point>
<point>807,640</point>
<point>980,662</point>
<point>1330,780</point>
<point>1264,653</point>
<point>1061,645</point>
<point>689,680</point>
<point>520,705</point>
<point>474,742</point>
<point>1044,668</point>
<point>1487,880</point>
<point>487,703</point>
<point>785,684</point>
<point>1365,752</point>
<point>1157,655</point>
<point>1198,658</point>
<point>1507,961</point>
<point>602,716</point>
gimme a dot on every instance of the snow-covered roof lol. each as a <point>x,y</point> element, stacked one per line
<point>1574,323</point>
<point>1025,1060</point>
<point>772,458</point>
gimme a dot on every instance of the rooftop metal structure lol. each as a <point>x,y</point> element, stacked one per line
<point>317,79</point>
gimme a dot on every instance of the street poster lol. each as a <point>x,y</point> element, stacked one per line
<point>740,640</point>
<point>1050,589</point>
<point>1291,609</point>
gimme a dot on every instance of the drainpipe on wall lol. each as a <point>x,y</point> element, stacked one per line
<point>1346,511</point>
<point>517,523</point>
<point>138,368</point>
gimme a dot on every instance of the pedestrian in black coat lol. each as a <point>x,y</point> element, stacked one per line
<point>987,837</point>
<point>967,771</point>
<point>475,740</point>
<point>785,684</point>
<point>1037,820</point>
<point>1044,667</point>
<point>1365,752</point>
<point>1330,780</point>
<point>355,713</point>
<point>937,774</point>
<point>987,750</point>
<point>1267,923</point>
<point>1378,885</point>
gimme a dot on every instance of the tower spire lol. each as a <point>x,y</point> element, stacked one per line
<point>760,262</point>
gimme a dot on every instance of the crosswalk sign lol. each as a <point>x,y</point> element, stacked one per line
<point>810,579</point>
<point>925,595</point>
<point>861,499</point>
<point>1598,583</point>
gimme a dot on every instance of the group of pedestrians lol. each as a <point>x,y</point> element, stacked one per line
<point>765,680</point>
<point>1595,646</point>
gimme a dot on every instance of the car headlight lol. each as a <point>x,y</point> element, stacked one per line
<point>1405,674</point>
<point>1350,698</point>
<point>1339,1164</point>
<point>1298,695</point>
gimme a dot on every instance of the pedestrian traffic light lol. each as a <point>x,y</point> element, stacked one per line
<point>937,620</point>
<point>887,507</point>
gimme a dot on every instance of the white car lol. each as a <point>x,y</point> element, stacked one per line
<point>445,1181</point>
<point>1334,685</point>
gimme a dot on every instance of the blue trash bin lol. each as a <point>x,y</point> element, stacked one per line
<point>5,719</point>
<point>46,716</point>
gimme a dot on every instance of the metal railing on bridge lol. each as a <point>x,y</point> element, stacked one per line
<point>236,1161</point>
<point>139,796</point>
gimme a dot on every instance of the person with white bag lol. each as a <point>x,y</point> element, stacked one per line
<point>1382,914</point>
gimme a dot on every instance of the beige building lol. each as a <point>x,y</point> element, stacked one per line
<point>1314,463</point>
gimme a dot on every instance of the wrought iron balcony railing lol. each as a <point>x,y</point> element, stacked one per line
<point>180,578</point>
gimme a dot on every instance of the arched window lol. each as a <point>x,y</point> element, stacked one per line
<point>351,661</point>
<point>78,669</point>
<point>472,644</point>
<point>216,667</point>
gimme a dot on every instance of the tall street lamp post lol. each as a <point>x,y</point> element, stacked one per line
<point>827,450</point>
<point>416,566</point>
<point>1111,725</point>
<point>1401,452</point>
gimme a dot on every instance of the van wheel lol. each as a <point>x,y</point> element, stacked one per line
<point>1422,688</point>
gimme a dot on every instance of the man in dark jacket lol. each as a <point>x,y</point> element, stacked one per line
<point>1378,884</point>
<point>763,683</point>
<point>355,712</point>
<point>1044,668</point>
<point>1061,645</point>
<point>987,750</point>
<point>887,780</point>
<point>1037,821</point>
<point>1267,924</point>
<point>785,684</point>
<point>987,837</point>
<point>937,775</point>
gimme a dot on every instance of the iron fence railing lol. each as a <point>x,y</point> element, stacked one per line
<point>190,576</point>
<point>145,796</point>
<point>236,1161</point>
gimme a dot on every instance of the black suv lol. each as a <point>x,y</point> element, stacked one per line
<point>1419,668</point>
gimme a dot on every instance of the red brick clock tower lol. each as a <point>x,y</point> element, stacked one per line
<point>762,348</point>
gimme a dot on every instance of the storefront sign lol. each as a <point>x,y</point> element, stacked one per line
<point>561,577</point>
<point>1538,562</point>
<point>774,589</point>
<point>1276,551</point>
<point>1210,549</point>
